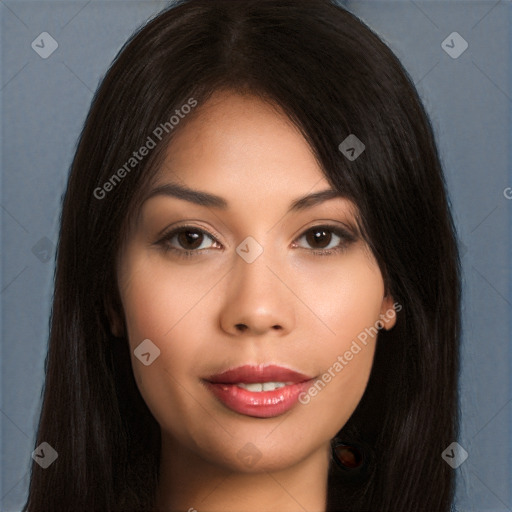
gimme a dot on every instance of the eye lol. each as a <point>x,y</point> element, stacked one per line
<point>326,239</point>
<point>189,239</point>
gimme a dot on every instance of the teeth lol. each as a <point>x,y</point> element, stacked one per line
<point>263,386</point>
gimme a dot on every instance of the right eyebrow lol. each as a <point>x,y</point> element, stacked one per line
<point>188,194</point>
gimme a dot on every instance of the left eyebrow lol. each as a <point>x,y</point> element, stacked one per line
<point>310,200</point>
<point>211,200</point>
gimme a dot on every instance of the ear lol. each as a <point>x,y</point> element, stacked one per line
<point>388,313</point>
<point>114,319</point>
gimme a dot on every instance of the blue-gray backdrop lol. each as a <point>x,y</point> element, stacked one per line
<point>458,54</point>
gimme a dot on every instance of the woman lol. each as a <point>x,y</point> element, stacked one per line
<point>249,310</point>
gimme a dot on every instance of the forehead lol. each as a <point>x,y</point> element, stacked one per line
<point>240,138</point>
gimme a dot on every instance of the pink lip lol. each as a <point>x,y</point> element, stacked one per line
<point>263,404</point>
<point>250,374</point>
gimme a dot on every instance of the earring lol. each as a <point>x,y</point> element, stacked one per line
<point>347,456</point>
<point>353,458</point>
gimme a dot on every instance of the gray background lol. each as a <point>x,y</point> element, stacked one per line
<point>44,103</point>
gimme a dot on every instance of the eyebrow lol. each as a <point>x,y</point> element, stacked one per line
<point>210,200</point>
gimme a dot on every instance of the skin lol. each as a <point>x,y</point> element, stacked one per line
<point>300,309</point>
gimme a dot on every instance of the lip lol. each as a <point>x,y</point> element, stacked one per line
<point>249,374</point>
<point>263,404</point>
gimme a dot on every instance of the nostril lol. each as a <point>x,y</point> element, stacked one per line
<point>241,327</point>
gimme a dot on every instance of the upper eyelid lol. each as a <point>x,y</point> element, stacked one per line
<point>176,229</point>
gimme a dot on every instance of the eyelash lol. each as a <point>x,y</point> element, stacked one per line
<point>346,239</point>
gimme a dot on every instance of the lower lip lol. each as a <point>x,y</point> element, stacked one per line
<point>263,404</point>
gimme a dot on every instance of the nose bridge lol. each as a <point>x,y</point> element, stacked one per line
<point>256,299</point>
<point>252,271</point>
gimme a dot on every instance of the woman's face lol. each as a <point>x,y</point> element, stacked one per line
<point>253,282</point>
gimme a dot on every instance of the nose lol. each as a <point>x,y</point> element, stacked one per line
<point>258,299</point>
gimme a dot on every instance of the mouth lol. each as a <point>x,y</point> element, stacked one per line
<point>258,391</point>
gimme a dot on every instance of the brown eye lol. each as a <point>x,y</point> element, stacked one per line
<point>325,240</point>
<point>190,239</point>
<point>187,241</point>
<point>318,238</point>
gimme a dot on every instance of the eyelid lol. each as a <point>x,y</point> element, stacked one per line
<point>345,227</point>
<point>174,229</point>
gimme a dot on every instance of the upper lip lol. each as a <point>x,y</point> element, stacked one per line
<point>249,374</point>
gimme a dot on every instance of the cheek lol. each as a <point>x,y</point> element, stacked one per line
<point>156,298</point>
<point>348,300</point>
<point>345,295</point>
<point>168,307</point>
